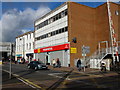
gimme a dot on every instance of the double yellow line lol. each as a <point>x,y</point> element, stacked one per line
<point>26,81</point>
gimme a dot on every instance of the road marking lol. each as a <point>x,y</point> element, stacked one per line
<point>55,75</point>
<point>27,82</point>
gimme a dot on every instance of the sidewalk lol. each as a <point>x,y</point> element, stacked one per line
<point>87,71</point>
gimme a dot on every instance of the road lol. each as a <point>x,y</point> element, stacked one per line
<point>50,79</point>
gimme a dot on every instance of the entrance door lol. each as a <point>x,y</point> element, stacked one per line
<point>47,58</point>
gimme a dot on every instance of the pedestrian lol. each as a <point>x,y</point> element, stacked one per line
<point>79,64</point>
<point>103,66</point>
<point>53,63</point>
<point>58,63</point>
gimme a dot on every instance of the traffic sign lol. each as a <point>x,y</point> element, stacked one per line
<point>85,49</point>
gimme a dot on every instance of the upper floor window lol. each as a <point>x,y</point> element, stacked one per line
<point>52,33</point>
<point>52,19</point>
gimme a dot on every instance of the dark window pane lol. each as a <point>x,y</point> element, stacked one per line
<point>66,28</point>
<point>62,29</point>
<point>54,18</point>
<point>56,31</point>
<point>59,15</point>
<point>65,12</point>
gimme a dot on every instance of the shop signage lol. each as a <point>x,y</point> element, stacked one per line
<point>38,50</point>
<point>19,55</point>
<point>73,50</point>
<point>52,48</point>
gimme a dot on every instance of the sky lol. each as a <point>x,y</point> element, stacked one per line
<point>18,17</point>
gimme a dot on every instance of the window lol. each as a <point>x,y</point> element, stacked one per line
<point>49,34</point>
<point>59,15</point>
<point>66,29</point>
<point>60,30</point>
<point>65,12</point>
<point>62,14</point>
<point>53,33</point>
<point>30,35</point>
<point>29,45</point>
<point>117,12</point>
<point>57,32</point>
<point>26,46</point>
<point>52,19</point>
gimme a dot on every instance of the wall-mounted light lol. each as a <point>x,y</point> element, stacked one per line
<point>74,40</point>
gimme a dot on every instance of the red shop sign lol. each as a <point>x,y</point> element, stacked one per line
<point>53,48</point>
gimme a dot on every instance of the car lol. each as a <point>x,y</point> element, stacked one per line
<point>36,65</point>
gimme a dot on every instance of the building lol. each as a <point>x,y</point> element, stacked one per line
<point>24,46</point>
<point>5,49</point>
<point>73,31</point>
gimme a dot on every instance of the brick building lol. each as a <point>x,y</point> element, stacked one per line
<point>63,32</point>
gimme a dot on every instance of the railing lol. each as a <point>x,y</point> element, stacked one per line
<point>99,54</point>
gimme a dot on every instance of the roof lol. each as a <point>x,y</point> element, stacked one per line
<point>51,11</point>
<point>65,4</point>
<point>25,34</point>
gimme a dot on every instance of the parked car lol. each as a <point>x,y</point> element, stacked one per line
<point>36,65</point>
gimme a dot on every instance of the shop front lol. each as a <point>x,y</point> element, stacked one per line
<point>29,56</point>
<point>47,54</point>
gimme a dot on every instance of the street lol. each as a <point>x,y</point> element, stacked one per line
<point>52,79</point>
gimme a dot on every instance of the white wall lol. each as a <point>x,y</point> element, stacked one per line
<point>53,40</point>
<point>21,45</point>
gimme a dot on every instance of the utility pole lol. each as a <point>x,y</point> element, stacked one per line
<point>10,74</point>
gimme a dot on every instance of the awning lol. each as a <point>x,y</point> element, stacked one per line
<point>19,55</point>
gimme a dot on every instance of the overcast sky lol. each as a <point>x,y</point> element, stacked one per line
<point>18,17</point>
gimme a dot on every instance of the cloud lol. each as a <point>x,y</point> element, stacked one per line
<point>15,22</point>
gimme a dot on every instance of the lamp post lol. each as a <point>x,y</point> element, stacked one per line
<point>10,74</point>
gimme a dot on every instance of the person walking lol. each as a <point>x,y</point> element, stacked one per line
<point>53,63</point>
<point>58,63</point>
<point>79,64</point>
<point>103,66</point>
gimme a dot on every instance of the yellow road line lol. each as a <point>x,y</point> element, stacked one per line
<point>26,81</point>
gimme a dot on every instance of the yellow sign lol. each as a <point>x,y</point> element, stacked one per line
<point>39,50</point>
<point>73,50</point>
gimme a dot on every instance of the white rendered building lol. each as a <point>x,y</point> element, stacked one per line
<point>24,46</point>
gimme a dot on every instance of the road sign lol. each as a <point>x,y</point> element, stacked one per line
<point>85,49</point>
